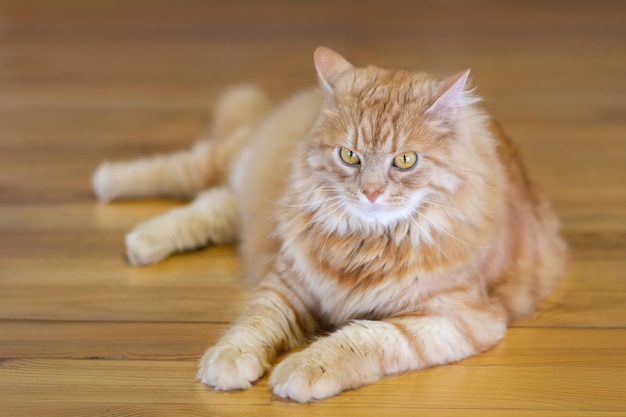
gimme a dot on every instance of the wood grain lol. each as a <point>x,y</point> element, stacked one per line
<point>502,387</point>
<point>82,333</point>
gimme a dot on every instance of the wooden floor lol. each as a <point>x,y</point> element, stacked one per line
<point>84,334</point>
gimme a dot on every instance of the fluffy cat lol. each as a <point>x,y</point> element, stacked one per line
<point>387,205</point>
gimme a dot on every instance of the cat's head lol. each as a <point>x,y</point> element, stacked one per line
<point>387,141</point>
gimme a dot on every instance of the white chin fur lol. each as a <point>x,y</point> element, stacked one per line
<point>373,216</point>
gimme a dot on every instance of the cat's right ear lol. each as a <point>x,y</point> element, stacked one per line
<point>329,65</point>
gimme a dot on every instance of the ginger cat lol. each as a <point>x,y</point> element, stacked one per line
<point>387,206</point>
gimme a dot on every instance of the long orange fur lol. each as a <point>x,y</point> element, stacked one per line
<point>413,268</point>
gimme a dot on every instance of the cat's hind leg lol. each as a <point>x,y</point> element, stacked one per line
<point>211,218</point>
<point>179,175</point>
<point>184,174</point>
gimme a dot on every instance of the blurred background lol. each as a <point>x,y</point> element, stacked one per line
<point>119,78</point>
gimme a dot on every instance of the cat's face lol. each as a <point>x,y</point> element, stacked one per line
<point>376,149</point>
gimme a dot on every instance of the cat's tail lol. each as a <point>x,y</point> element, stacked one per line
<point>552,247</point>
<point>239,106</point>
<point>184,174</point>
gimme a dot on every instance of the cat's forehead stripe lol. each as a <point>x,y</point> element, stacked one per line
<point>379,126</point>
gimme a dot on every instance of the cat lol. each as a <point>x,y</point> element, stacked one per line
<point>386,205</point>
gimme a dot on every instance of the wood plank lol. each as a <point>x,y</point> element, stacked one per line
<point>505,387</point>
<point>114,382</point>
<point>107,340</point>
<point>193,287</point>
<point>54,409</point>
<point>174,341</point>
<point>134,299</point>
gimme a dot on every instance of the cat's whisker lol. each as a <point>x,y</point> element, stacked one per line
<point>323,211</point>
<point>295,236</point>
<point>442,206</point>
<point>325,208</point>
<point>430,238</point>
<point>329,209</point>
<point>306,196</point>
<point>443,229</point>
<point>341,206</point>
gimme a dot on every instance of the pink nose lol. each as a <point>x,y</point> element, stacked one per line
<point>371,195</point>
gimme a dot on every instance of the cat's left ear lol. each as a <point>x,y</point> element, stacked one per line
<point>445,108</point>
<point>329,65</point>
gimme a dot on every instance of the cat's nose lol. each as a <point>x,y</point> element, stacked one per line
<point>372,195</point>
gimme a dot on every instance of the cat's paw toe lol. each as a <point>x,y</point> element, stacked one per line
<point>228,368</point>
<point>143,248</point>
<point>304,380</point>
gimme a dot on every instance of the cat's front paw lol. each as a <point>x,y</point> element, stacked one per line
<point>304,378</point>
<point>144,247</point>
<point>230,368</point>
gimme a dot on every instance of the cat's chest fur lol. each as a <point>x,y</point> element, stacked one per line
<point>364,275</point>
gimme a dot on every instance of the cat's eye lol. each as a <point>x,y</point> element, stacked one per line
<point>349,157</point>
<point>405,160</point>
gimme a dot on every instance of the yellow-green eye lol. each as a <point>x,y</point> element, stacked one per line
<point>405,160</point>
<point>349,156</point>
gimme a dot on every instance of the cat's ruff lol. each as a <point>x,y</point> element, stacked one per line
<point>387,205</point>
